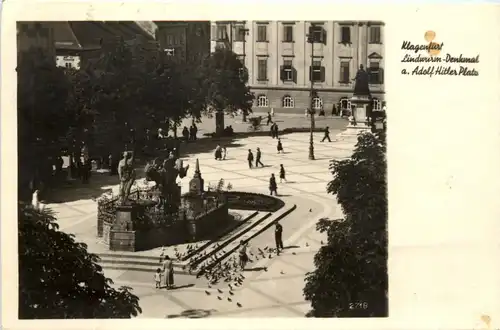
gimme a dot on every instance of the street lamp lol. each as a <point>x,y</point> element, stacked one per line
<point>311,40</point>
<point>243,33</point>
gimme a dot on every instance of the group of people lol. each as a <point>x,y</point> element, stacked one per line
<point>190,134</point>
<point>250,158</point>
<point>278,239</point>
<point>220,152</point>
<point>164,276</point>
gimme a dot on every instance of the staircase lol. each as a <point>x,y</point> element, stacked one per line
<point>205,256</point>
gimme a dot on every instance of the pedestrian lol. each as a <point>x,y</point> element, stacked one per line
<point>272,112</point>
<point>276,130</point>
<point>185,133</point>
<point>168,273</point>
<point>195,131</point>
<point>273,186</point>
<point>327,135</point>
<point>334,110</point>
<point>279,146</point>
<point>192,133</point>
<point>278,237</point>
<point>243,254</point>
<point>250,158</point>
<point>271,130</point>
<point>269,119</point>
<point>282,173</point>
<point>322,112</point>
<point>218,152</point>
<point>224,153</point>
<point>257,158</point>
<point>157,278</point>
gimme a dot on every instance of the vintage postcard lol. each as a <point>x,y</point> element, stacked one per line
<point>196,165</point>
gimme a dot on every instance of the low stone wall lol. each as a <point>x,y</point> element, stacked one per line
<point>177,232</point>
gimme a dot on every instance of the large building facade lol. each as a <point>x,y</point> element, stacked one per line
<point>283,64</point>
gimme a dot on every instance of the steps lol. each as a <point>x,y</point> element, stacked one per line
<point>204,257</point>
<point>247,236</point>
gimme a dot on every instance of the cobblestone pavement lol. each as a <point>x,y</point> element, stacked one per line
<point>276,292</point>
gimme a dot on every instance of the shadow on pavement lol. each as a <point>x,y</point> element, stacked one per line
<point>192,314</point>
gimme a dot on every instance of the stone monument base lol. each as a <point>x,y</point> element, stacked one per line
<point>359,123</point>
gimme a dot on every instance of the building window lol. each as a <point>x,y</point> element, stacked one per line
<point>376,105</point>
<point>375,73</point>
<point>239,33</point>
<point>317,103</point>
<point>317,72</point>
<point>262,101</point>
<point>288,102</point>
<point>317,34</point>
<point>345,34</point>
<point>262,69</point>
<point>262,33</point>
<point>287,33</point>
<point>375,34</point>
<point>345,104</point>
<point>287,71</point>
<point>221,32</point>
<point>344,72</point>
<point>68,65</point>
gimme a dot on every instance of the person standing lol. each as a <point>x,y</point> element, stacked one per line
<point>168,273</point>
<point>279,146</point>
<point>278,237</point>
<point>192,134</point>
<point>157,278</point>
<point>243,254</point>
<point>276,130</point>
<point>185,134</point>
<point>257,158</point>
<point>250,158</point>
<point>273,186</point>
<point>327,135</point>
<point>282,173</point>
<point>224,153</point>
<point>334,110</point>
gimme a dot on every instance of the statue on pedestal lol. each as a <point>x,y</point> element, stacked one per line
<point>126,174</point>
<point>361,83</point>
<point>165,175</point>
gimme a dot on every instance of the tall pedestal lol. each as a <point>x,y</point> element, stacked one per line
<point>358,122</point>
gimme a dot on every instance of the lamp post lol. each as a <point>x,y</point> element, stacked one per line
<point>310,39</point>
<point>244,33</point>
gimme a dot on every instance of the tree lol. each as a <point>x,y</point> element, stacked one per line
<point>224,81</point>
<point>58,278</point>
<point>42,115</point>
<point>351,279</point>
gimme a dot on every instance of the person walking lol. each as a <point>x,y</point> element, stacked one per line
<point>279,146</point>
<point>327,135</point>
<point>257,158</point>
<point>168,273</point>
<point>273,186</point>
<point>282,173</point>
<point>276,130</point>
<point>269,118</point>
<point>250,158</point>
<point>278,237</point>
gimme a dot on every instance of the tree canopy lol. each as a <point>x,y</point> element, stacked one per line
<point>351,278</point>
<point>58,278</point>
<point>225,80</point>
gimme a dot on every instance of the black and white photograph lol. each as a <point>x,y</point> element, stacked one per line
<point>202,169</point>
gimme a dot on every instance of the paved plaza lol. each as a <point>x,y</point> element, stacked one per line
<point>274,288</point>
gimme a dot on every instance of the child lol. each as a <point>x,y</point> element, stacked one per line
<point>282,173</point>
<point>158,278</point>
